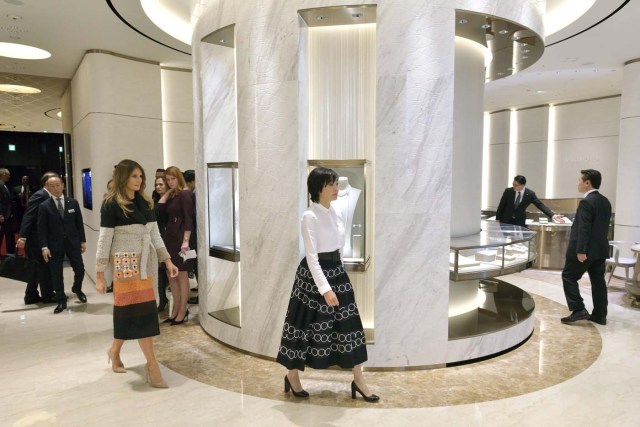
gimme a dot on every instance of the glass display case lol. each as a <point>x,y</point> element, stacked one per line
<point>224,233</point>
<point>353,205</point>
<point>497,250</point>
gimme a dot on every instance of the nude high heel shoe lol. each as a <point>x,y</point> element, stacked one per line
<point>157,384</point>
<point>118,369</point>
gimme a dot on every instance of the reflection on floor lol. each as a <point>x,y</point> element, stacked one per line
<point>542,362</point>
<point>54,372</point>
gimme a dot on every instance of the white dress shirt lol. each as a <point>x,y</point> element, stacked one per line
<point>322,231</point>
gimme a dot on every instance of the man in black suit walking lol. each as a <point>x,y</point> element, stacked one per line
<point>29,240</point>
<point>514,202</point>
<point>588,250</point>
<point>61,232</point>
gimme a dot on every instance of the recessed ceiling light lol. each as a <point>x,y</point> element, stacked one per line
<point>59,114</point>
<point>321,18</point>
<point>462,21</point>
<point>503,32</point>
<point>527,50</point>
<point>485,26</point>
<point>22,51</point>
<point>18,89</point>
<point>501,74</point>
<point>223,41</point>
<point>357,15</point>
<point>14,17</point>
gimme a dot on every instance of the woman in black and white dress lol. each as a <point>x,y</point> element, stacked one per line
<point>322,327</point>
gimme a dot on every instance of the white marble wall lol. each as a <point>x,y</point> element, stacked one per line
<point>414,109</point>
<point>627,206</point>
<point>498,162</point>
<point>468,121</point>
<point>177,118</point>
<point>530,145</point>
<point>585,135</point>
<point>116,115</point>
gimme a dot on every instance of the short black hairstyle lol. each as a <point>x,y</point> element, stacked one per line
<point>592,175</point>
<point>189,175</point>
<point>160,170</point>
<point>318,179</point>
<point>520,179</point>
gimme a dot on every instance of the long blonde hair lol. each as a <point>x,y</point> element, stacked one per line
<point>120,177</point>
<point>175,172</point>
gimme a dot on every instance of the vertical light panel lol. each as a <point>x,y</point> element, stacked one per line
<point>513,147</point>
<point>486,160</point>
<point>551,153</point>
<point>342,79</point>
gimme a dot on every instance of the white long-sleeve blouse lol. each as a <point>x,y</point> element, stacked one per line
<point>322,231</point>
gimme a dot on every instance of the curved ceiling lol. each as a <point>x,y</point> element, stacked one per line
<point>587,65</point>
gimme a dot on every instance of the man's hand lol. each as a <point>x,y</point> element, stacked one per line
<point>558,218</point>
<point>46,254</point>
<point>21,242</point>
<point>582,257</point>
<point>83,247</point>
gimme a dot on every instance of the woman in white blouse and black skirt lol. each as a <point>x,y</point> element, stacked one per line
<point>322,327</point>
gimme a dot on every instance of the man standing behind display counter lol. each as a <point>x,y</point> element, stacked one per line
<point>515,200</point>
<point>588,251</point>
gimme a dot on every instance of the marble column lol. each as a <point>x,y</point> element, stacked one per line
<point>627,206</point>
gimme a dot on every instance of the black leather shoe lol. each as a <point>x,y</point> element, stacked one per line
<point>598,320</point>
<point>32,300</point>
<point>62,306</point>
<point>575,316</point>
<point>81,296</point>
<point>287,387</point>
<point>355,388</point>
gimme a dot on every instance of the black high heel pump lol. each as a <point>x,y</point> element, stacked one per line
<point>287,387</point>
<point>354,388</point>
<point>180,322</point>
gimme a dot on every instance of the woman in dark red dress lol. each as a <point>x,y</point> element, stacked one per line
<point>177,205</point>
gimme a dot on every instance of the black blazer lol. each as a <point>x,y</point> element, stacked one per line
<point>29,227</point>
<point>590,229</point>
<point>518,216</point>
<point>52,228</point>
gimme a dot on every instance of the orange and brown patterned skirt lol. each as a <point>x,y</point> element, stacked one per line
<point>135,313</point>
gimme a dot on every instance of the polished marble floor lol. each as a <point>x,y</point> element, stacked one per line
<point>54,372</point>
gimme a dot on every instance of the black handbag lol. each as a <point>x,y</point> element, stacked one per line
<point>19,268</point>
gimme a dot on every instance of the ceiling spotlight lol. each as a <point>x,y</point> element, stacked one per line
<point>223,41</point>
<point>527,50</point>
<point>503,32</point>
<point>463,21</point>
<point>321,18</point>
<point>22,51</point>
<point>501,74</point>
<point>18,89</point>
<point>14,17</point>
<point>485,26</point>
<point>357,15</point>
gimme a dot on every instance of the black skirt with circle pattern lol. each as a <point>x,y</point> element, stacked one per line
<point>316,334</point>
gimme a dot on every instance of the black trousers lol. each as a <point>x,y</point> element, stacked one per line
<point>74,254</point>
<point>573,271</point>
<point>43,277</point>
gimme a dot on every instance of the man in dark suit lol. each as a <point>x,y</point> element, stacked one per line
<point>61,232</point>
<point>29,240</point>
<point>514,202</point>
<point>7,218</point>
<point>21,195</point>
<point>588,250</point>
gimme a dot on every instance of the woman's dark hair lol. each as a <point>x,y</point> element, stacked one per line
<point>318,179</point>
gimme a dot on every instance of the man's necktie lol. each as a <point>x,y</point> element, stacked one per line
<point>518,199</point>
<point>60,208</point>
